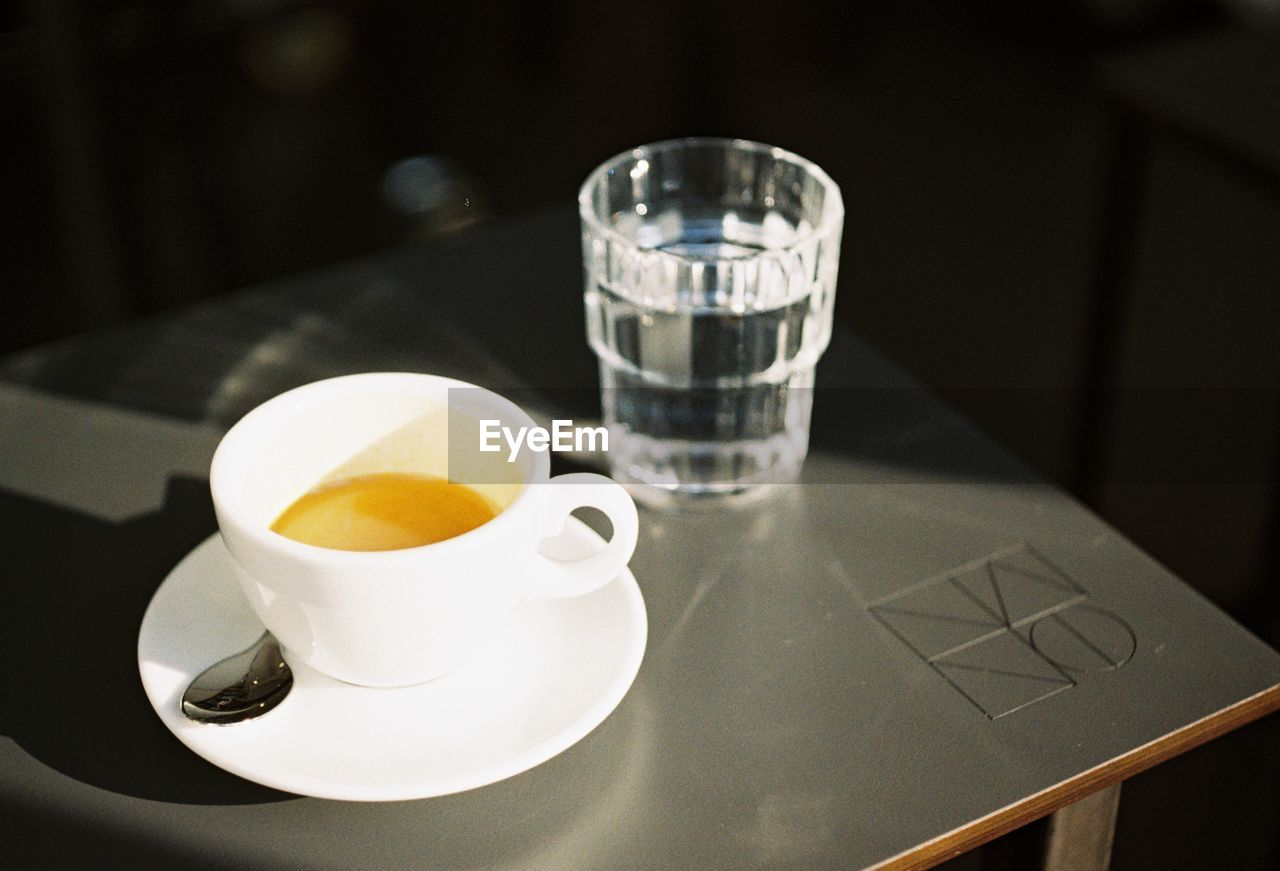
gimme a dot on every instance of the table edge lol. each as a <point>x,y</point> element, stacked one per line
<point>1047,801</point>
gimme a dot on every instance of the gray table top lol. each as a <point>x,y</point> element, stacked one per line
<point>915,649</point>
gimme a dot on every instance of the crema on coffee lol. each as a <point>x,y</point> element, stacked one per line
<point>384,511</point>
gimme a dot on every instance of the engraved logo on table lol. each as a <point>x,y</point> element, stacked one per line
<point>1007,630</point>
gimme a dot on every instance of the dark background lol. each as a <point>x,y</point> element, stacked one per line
<point>1066,220</point>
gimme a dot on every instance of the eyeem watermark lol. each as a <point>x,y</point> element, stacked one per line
<point>563,436</point>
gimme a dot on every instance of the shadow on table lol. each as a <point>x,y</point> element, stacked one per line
<point>44,840</point>
<point>78,589</point>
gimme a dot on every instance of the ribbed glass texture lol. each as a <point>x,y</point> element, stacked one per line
<point>710,271</point>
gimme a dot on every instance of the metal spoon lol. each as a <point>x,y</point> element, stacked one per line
<point>241,687</point>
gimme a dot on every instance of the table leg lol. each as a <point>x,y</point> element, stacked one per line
<point>1125,196</point>
<point>1080,834</point>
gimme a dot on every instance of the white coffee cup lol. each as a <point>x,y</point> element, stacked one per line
<point>400,617</point>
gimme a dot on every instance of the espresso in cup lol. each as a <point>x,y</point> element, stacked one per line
<point>384,511</point>
<point>377,540</point>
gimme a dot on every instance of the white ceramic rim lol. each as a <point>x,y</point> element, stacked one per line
<point>233,445</point>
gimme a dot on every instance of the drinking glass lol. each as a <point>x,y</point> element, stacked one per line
<point>710,284</point>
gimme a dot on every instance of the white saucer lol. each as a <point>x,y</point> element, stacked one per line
<point>560,669</point>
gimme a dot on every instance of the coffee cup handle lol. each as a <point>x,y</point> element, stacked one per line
<point>554,578</point>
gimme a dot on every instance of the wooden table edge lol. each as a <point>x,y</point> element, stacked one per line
<point>1047,801</point>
